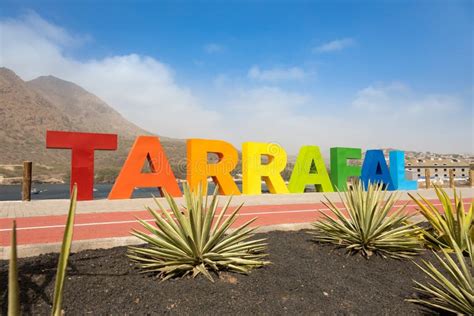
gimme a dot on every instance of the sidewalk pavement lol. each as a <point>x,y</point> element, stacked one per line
<point>18,209</point>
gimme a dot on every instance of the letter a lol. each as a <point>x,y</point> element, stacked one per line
<point>131,176</point>
<point>303,174</point>
<point>375,169</point>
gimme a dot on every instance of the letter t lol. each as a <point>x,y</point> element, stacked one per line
<point>82,146</point>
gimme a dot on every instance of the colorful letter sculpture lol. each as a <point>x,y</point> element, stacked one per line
<point>253,171</point>
<point>199,169</point>
<point>260,162</point>
<point>82,146</point>
<point>375,169</point>
<point>309,169</point>
<point>340,170</point>
<point>131,176</point>
<point>397,172</point>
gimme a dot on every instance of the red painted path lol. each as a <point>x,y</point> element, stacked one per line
<point>49,229</point>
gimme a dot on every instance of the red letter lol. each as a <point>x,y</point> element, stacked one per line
<point>82,162</point>
<point>131,176</point>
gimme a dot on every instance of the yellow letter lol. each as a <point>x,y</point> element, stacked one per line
<point>254,171</point>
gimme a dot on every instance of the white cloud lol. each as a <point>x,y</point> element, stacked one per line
<point>212,48</point>
<point>276,74</point>
<point>334,46</point>
<point>145,91</point>
<point>397,115</point>
<point>265,100</point>
<point>140,87</point>
<point>270,114</point>
<point>398,98</point>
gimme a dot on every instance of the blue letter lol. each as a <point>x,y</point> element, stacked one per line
<point>397,171</point>
<point>375,170</point>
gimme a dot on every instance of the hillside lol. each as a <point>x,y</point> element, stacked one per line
<point>83,109</point>
<point>30,108</point>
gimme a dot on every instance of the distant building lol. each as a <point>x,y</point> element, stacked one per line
<point>439,168</point>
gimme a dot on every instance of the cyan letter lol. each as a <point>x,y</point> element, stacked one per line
<point>397,171</point>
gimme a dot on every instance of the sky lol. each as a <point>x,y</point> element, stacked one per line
<point>367,74</point>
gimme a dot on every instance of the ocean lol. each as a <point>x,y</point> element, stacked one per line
<point>61,191</point>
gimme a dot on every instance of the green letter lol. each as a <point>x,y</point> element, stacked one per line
<point>309,169</point>
<point>340,171</point>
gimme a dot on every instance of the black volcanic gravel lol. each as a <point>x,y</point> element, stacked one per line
<point>305,278</point>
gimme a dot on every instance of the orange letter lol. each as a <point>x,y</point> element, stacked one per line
<point>199,169</point>
<point>131,176</point>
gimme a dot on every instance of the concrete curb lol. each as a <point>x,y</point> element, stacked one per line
<point>17,209</point>
<point>78,245</point>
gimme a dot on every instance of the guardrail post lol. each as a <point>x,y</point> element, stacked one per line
<point>451,178</point>
<point>427,178</point>
<point>26,185</point>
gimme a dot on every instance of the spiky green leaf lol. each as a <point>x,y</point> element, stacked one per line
<point>192,241</point>
<point>368,226</point>
<point>64,255</point>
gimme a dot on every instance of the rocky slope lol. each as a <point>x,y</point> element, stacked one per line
<point>29,109</point>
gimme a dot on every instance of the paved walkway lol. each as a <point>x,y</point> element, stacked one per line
<point>17,209</point>
<point>104,223</point>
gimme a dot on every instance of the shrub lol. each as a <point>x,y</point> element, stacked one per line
<point>453,290</point>
<point>454,225</point>
<point>190,240</point>
<point>13,288</point>
<point>368,228</point>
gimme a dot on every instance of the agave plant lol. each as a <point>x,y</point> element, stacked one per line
<point>191,240</point>
<point>13,288</point>
<point>454,225</point>
<point>453,290</point>
<point>369,227</point>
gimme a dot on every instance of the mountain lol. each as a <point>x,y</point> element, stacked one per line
<point>83,109</point>
<point>30,108</point>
